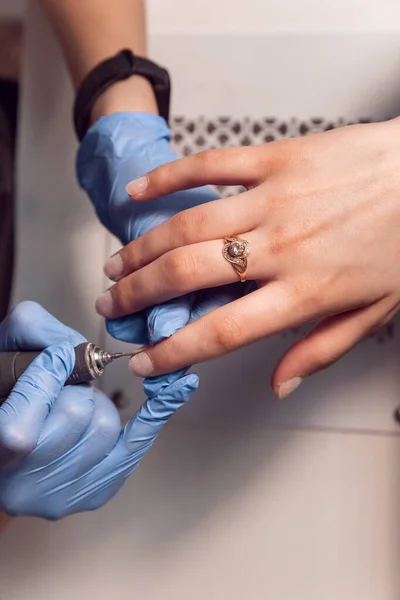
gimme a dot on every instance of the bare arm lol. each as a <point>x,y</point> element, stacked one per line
<point>93,30</point>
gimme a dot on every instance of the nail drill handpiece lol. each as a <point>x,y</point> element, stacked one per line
<point>90,363</point>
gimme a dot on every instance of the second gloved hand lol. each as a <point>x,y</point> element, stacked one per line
<point>61,448</point>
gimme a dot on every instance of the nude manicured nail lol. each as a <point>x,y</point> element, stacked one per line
<point>141,365</point>
<point>105,304</point>
<point>114,267</point>
<point>137,186</point>
<point>288,387</point>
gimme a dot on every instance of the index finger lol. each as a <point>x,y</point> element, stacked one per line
<point>227,166</point>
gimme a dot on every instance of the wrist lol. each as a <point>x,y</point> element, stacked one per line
<point>130,95</point>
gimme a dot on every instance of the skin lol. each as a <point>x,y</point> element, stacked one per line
<point>91,31</point>
<point>321,215</point>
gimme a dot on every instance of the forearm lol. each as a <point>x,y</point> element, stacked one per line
<point>94,30</point>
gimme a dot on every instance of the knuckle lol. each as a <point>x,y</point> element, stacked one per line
<point>229,333</point>
<point>58,359</point>
<point>79,409</point>
<point>168,348</point>
<point>17,439</point>
<point>307,305</point>
<point>282,240</point>
<point>311,301</point>
<point>131,256</point>
<point>276,247</point>
<point>325,357</point>
<point>161,179</point>
<point>282,154</point>
<point>106,421</point>
<point>206,159</point>
<point>124,294</point>
<point>180,268</point>
<point>24,313</point>
<point>106,427</point>
<point>317,303</point>
<point>187,225</point>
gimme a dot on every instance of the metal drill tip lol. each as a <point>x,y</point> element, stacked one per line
<point>119,354</point>
<point>101,358</point>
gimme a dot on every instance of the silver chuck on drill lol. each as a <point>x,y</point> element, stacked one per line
<point>90,363</point>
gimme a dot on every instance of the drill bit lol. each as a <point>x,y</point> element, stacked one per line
<point>102,358</point>
<point>119,354</point>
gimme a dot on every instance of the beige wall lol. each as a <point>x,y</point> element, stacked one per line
<point>272,16</point>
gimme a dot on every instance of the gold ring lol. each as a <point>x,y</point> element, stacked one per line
<point>236,251</point>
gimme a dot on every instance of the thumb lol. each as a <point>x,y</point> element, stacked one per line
<point>28,326</point>
<point>23,414</point>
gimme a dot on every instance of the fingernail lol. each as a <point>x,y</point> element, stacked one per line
<point>287,387</point>
<point>141,365</point>
<point>114,267</point>
<point>137,186</point>
<point>105,304</point>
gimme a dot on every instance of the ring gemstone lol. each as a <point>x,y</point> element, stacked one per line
<point>236,251</point>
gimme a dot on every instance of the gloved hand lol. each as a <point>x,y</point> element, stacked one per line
<point>61,448</point>
<point>117,149</point>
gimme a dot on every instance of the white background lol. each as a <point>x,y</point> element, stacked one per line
<point>259,16</point>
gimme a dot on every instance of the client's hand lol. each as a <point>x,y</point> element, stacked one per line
<point>321,217</point>
<point>116,149</point>
<point>61,448</point>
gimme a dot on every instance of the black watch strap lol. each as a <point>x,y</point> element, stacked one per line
<point>117,68</point>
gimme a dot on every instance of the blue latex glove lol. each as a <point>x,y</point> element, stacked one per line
<point>61,448</point>
<point>117,149</point>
